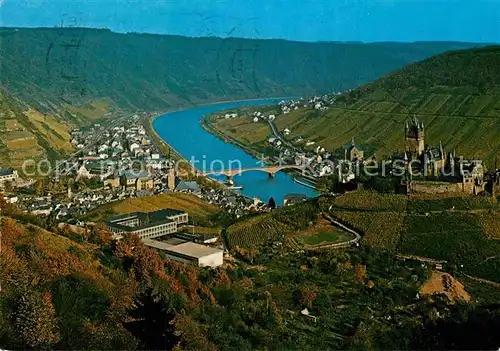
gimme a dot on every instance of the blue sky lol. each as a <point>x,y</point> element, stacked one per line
<point>305,20</point>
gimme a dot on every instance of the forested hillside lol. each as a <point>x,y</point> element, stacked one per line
<point>63,290</point>
<point>48,67</point>
<point>59,78</point>
<point>477,70</point>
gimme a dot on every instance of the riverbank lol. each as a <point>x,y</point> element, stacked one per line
<point>162,145</point>
<point>183,131</point>
<point>178,154</point>
<point>255,152</point>
<point>209,127</point>
<point>168,149</point>
<point>304,183</point>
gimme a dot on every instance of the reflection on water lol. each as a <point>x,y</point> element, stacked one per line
<point>183,131</point>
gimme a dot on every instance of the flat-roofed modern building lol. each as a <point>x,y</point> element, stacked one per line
<point>147,225</point>
<point>7,175</point>
<point>190,253</point>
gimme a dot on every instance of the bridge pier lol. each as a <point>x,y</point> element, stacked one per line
<point>270,170</point>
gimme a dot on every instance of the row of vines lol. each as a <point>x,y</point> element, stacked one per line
<point>272,226</point>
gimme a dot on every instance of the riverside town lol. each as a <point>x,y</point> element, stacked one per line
<point>196,175</point>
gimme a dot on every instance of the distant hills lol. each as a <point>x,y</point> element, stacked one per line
<point>75,75</point>
<point>455,94</point>
<point>49,66</point>
<point>475,71</point>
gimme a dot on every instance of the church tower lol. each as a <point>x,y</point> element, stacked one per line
<point>414,137</point>
<point>171,179</point>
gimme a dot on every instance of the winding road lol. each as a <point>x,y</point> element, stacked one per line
<point>357,236</point>
<point>278,135</point>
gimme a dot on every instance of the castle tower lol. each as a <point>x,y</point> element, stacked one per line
<point>406,161</point>
<point>451,161</point>
<point>414,137</point>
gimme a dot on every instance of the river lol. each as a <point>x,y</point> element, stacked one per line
<point>182,130</point>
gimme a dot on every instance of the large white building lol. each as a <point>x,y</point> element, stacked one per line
<point>156,224</point>
<point>7,175</point>
<point>190,253</point>
<point>147,225</point>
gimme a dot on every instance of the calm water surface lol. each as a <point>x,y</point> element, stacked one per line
<point>183,131</point>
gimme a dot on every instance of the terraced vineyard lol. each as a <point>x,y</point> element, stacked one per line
<point>256,231</point>
<point>463,230</point>
<point>18,138</point>
<point>465,203</point>
<point>433,235</point>
<point>259,230</point>
<point>379,229</point>
<point>490,222</point>
<point>459,238</point>
<point>371,201</point>
<point>456,97</point>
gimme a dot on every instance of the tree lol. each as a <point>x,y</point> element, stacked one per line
<point>152,323</point>
<point>52,221</point>
<point>3,203</point>
<point>35,320</point>
<point>193,335</point>
<point>252,253</point>
<point>324,185</point>
<point>123,248</point>
<point>9,232</point>
<point>40,187</point>
<point>329,184</point>
<point>100,234</point>
<point>271,204</point>
<point>8,186</point>
<point>145,262</point>
<point>307,296</point>
<point>343,268</point>
<point>360,273</point>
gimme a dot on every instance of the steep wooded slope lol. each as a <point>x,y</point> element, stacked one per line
<point>455,94</point>
<point>50,66</point>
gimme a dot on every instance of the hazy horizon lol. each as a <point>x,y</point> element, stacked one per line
<point>367,21</point>
<point>238,37</point>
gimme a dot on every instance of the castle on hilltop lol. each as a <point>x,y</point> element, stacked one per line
<point>415,138</point>
<point>416,149</point>
<point>457,174</point>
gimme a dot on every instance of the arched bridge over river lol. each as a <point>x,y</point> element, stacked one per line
<point>271,170</point>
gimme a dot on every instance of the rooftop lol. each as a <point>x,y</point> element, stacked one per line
<point>193,250</point>
<point>5,171</point>
<point>188,185</point>
<point>435,153</point>
<point>135,174</point>
<point>146,219</point>
<point>161,245</point>
<point>188,249</point>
